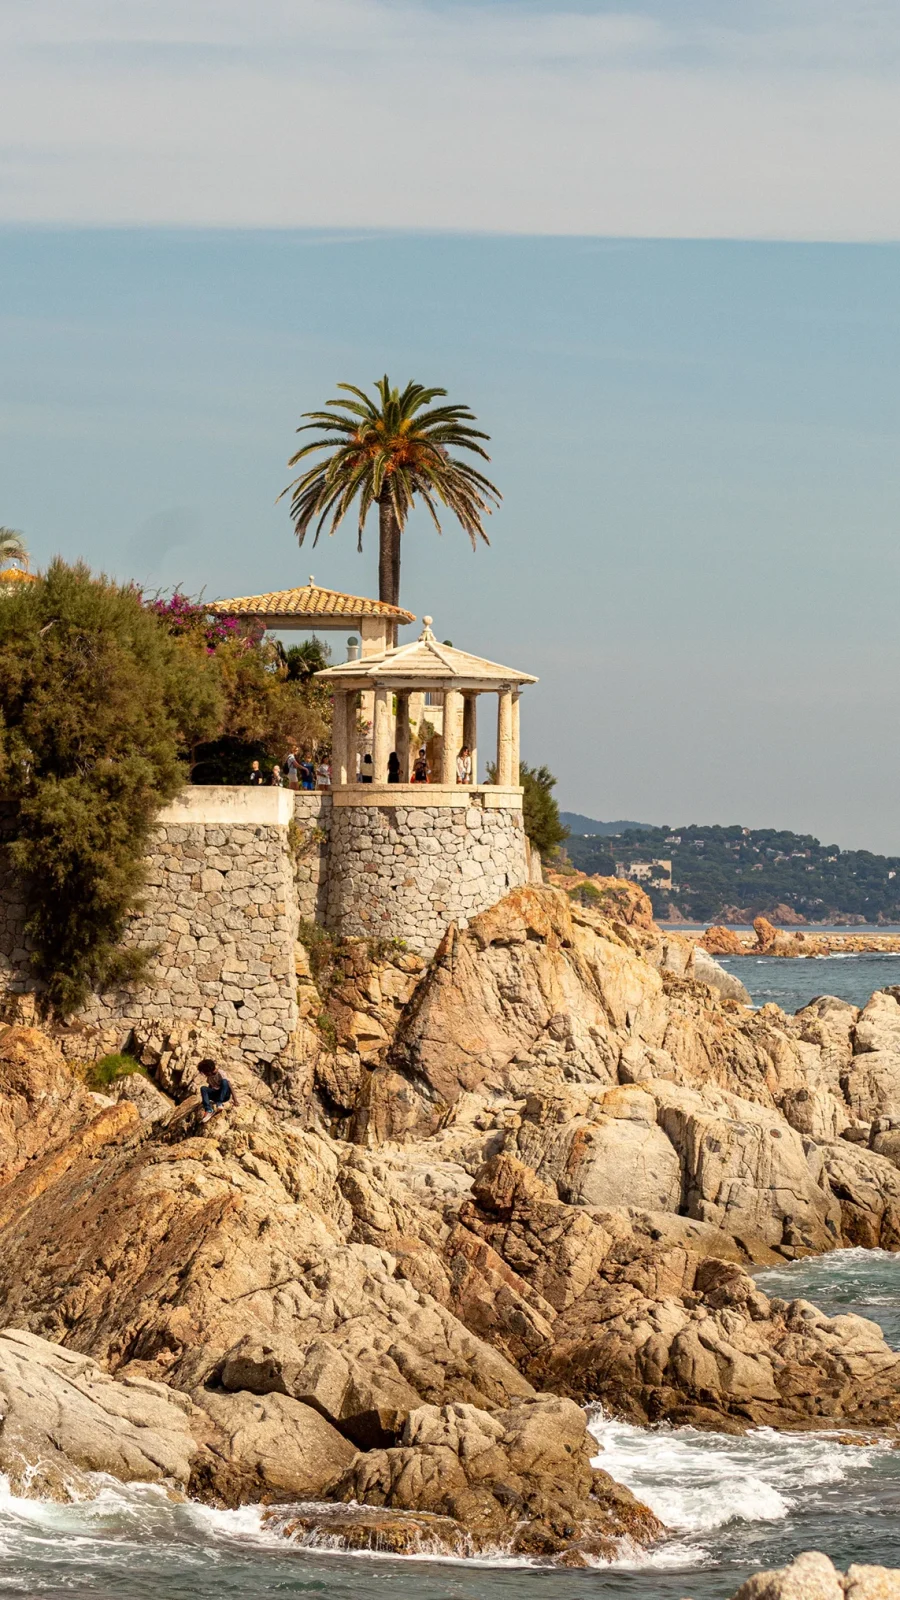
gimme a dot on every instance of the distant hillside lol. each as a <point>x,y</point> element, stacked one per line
<point>735,874</point>
<point>577,824</point>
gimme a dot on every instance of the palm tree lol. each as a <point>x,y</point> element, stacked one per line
<point>12,547</point>
<point>385,452</point>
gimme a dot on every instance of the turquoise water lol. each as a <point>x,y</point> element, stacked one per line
<point>734,1505</point>
<point>791,984</point>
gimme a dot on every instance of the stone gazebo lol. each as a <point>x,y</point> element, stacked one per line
<point>405,859</point>
<point>396,683</point>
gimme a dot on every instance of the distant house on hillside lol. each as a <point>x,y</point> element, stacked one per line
<point>656,874</point>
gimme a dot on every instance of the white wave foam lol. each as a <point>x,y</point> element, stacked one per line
<point>700,1482</point>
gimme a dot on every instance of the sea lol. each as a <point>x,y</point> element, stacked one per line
<point>733,1505</point>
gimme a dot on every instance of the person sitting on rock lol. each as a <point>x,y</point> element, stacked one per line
<point>216,1091</point>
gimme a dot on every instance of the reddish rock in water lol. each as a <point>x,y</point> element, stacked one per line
<point>719,941</point>
<point>765,935</point>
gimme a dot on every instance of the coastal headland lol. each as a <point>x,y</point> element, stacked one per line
<point>530,1174</point>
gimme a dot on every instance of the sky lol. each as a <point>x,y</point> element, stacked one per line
<point>653,246</point>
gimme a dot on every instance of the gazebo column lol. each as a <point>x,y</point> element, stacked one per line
<point>416,711</point>
<point>341,751</point>
<point>453,714</point>
<point>470,730</point>
<point>401,744</point>
<point>504,737</point>
<point>382,743</point>
<point>515,738</point>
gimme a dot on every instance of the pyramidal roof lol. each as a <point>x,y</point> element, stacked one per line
<point>311,600</point>
<point>424,661</point>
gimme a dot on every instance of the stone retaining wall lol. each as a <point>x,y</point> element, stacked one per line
<point>232,873</point>
<point>222,915</point>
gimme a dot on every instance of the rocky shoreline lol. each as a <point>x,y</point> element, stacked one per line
<point>766,940</point>
<point>483,1193</point>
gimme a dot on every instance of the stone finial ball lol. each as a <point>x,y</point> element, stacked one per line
<point>428,621</point>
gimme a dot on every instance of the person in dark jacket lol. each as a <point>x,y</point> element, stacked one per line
<point>393,767</point>
<point>216,1091</point>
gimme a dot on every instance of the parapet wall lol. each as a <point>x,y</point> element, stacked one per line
<point>233,872</point>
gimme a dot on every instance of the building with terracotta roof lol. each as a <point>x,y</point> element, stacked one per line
<point>324,610</point>
<point>11,576</point>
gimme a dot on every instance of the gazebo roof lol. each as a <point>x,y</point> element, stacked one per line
<point>424,664</point>
<point>327,607</point>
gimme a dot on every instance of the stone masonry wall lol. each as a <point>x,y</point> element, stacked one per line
<point>309,849</point>
<point>232,873</point>
<point>221,913</point>
<point>406,872</point>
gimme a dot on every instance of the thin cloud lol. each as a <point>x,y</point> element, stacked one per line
<point>769,121</point>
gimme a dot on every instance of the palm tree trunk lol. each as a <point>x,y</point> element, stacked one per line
<point>386,520</point>
<point>388,554</point>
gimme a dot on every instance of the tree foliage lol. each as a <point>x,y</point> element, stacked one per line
<point>541,810</point>
<point>12,547</point>
<point>97,702</point>
<point>267,705</point>
<point>386,451</point>
<point>719,871</point>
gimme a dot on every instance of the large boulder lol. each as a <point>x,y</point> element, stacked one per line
<point>705,970</point>
<point>811,1576</point>
<point>519,1479</point>
<point>746,1170</point>
<point>602,1149</point>
<point>63,1418</point>
<point>878,1026</point>
<point>270,1446</point>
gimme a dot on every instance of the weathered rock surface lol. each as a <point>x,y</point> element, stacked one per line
<point>557,1153</point>
<point>63,1417</point>
<point>520,1478</point>
<point>653,1325</point>
<point>719,941</point>
<point>812,1577</point>
<point>269,1446</point>
<point>705,970</point>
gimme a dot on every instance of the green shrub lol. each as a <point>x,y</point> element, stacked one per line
<point>109,1069</point>
<point>539,808</point>
<point>98,702</point>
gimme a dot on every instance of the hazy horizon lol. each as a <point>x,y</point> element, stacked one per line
<point>656,253</point>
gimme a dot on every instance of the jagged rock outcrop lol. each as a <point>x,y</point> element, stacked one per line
<point>519,1479</point>
<point>646,1316</point>
<point>540,1164</point>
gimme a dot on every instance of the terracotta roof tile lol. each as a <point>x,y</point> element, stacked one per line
<point>16,575</point>
<point>309,601</point>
